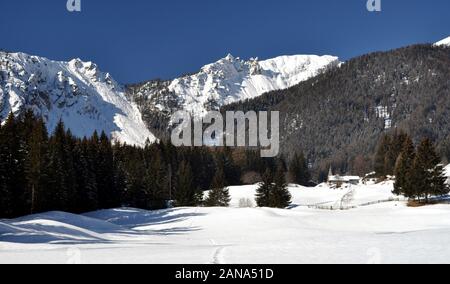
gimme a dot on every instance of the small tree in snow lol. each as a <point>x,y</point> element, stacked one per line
<point>264,190</point>
<point>280,196</point>
<point>273,191</point>
<point>219,195</point>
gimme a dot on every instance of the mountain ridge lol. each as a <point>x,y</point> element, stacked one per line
<point>88,100</point>
<point>223,82</point>
<point>444,42</point>
<point>337,117</point>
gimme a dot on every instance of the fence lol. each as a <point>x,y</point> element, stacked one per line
<point>348,207</point>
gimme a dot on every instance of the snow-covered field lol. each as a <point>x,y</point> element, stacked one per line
<point>387,232</point>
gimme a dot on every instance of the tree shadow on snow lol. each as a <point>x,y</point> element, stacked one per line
<point>101,227</point>
<point>135,218</point>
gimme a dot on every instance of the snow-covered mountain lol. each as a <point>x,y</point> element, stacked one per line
<point>227,81</point>
<point>77,92</point>
<point>444,42</point>
<point>87,99</point>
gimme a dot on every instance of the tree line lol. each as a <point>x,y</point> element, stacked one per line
<point>419,173</point>
<point>40,172</point>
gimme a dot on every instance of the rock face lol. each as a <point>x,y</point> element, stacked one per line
<point>76,92</point>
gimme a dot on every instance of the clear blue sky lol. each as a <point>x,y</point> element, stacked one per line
<point>137,40</point>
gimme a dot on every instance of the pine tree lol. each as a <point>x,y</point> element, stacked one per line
<point>403,182</point>
<point>131,159</point>
<point>108,195</point>
<point>71,178</point>
<point>60,168</point>
<point>280,197</point>
<point>86,193</point>
<point>263,192</point>
<point>13,168</point>
<point>36,164</point>
<point>439,186</point>
<point>120,180</point>
<point>427,174</point>
<point>185,193</point>
<point>418,181</point>
<point>156,182</point>
<point>6,193</point>
<point>120,175</point>
<point>394,150</point>
<point>231,171</point>
<point>438,180</point>
<point>298,170</point>
<point>219,195</point>
<point>380,156</point>
<point>420,175</point>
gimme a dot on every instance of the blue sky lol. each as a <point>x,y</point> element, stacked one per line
<point>138,40</point>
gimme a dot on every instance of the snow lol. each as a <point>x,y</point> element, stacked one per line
<point>387,232</point>
<point>89,100</point>
<point>444,42</point>
<point>231,79</point>
<point>322,195</point>
<point>77,92</point>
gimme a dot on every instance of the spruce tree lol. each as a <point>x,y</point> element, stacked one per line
<point>438,180</point>
<point>155,181</point>
<point>6,197</point>
<point>264,190</point>
<point>298,170</point>
<point>427,174</point>
<point>120,180</point>
<point>403,183</point>
<point>107,193</point>
<point>380,156</point>
<point>394,150</point>
<point>133,164</point>
<point>231,171</point>
<point>280,197</point>
<point>60,181</point>
<point>184,192</point>
<point>71,178</point>
<point>219,195</point>
<point>418,181</point>
<point>13,167</point>
<point>439,186</point>
<point>87,194</point>
<point>36,165</point>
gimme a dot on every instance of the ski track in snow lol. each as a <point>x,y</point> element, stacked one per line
<point>218,256</point>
